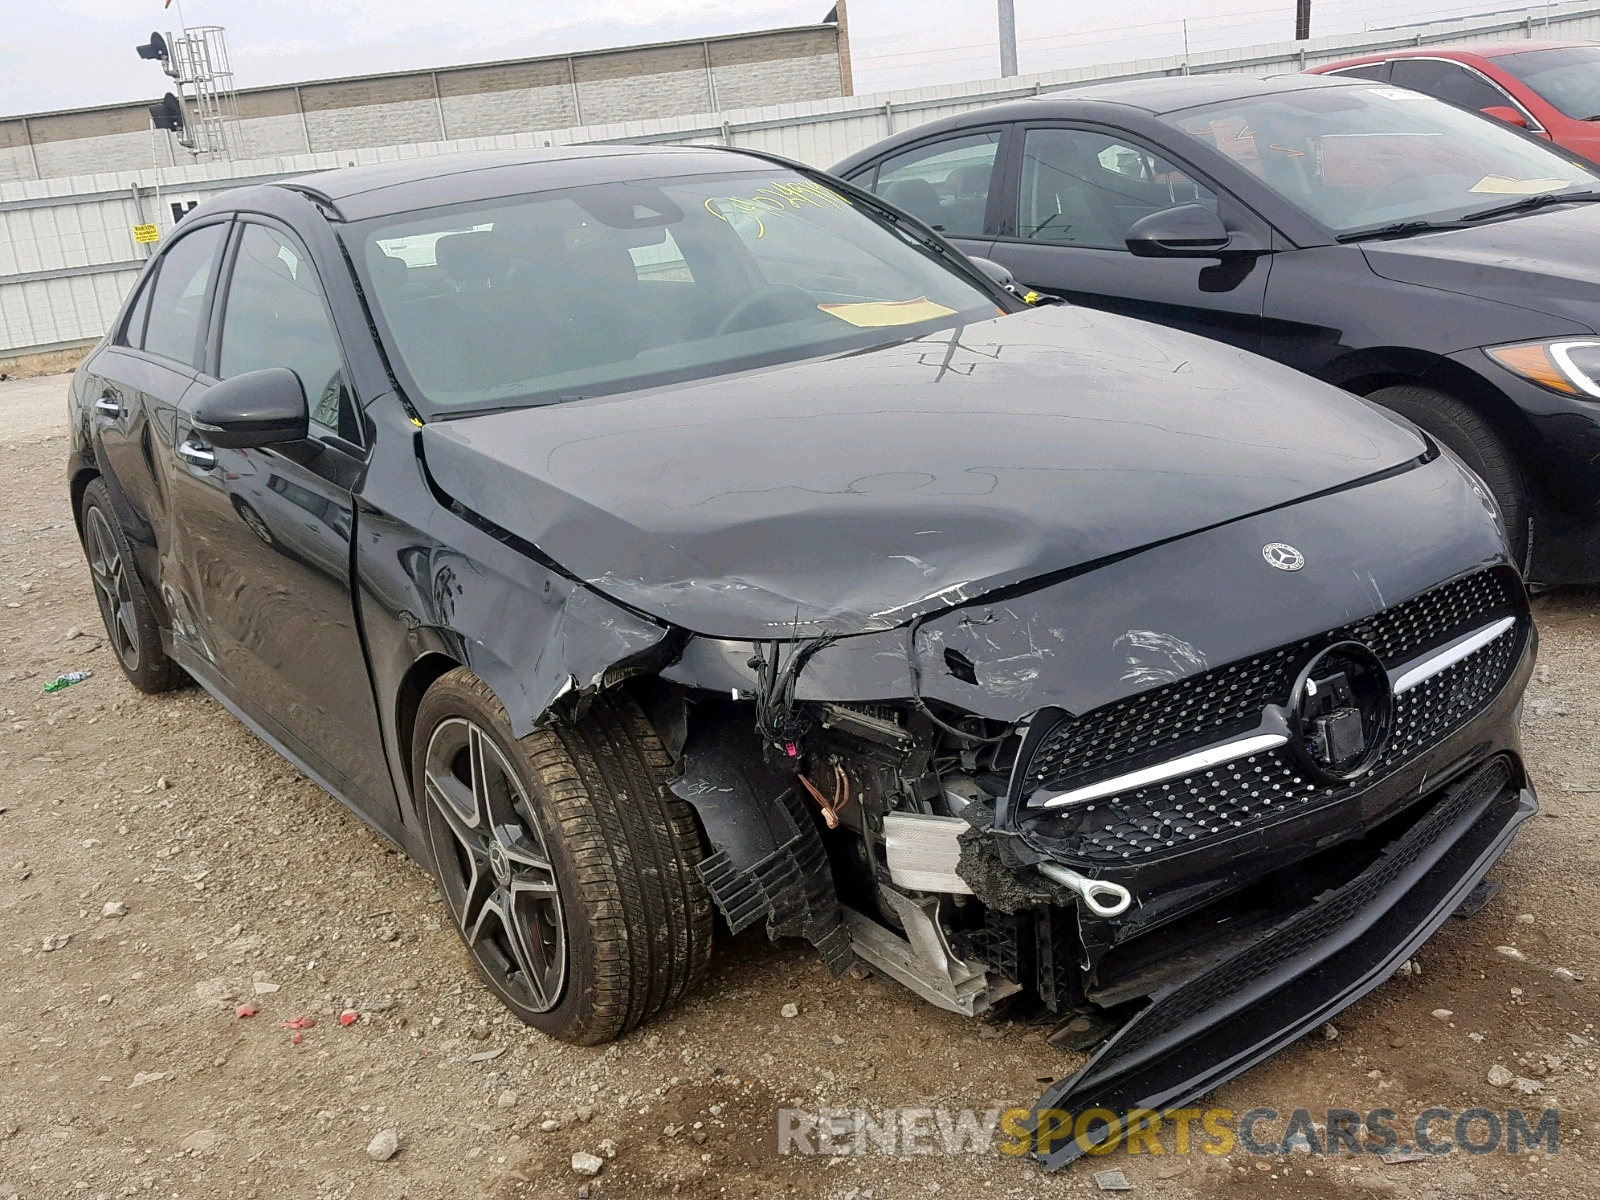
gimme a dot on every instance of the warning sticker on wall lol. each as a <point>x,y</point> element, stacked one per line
<point>146,233</point>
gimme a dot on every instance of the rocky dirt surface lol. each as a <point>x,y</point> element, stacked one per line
<point>160,868</point>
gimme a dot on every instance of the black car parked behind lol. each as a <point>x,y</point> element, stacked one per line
<point>638,535</point>
<point>1436,261</point>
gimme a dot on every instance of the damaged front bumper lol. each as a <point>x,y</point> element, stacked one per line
<point>1212,1026</point>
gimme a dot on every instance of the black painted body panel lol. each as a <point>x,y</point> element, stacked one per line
<point>854,493</point>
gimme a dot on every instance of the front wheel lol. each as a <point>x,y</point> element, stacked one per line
<point>1473,440</point>
<point>567,865</point>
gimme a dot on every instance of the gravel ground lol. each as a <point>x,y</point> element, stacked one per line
<point>124,1069</point>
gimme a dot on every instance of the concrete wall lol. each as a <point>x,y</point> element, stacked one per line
<point>67,254</point>
<point>483,100</point>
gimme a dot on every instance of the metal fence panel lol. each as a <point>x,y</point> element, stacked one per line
<point>68,254</point>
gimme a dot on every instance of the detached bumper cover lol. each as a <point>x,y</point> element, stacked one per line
<point>1214,1026</point>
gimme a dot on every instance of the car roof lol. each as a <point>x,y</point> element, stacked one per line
<point>1468,50</point>
<point>1174,92</point>
<point>382,189</point>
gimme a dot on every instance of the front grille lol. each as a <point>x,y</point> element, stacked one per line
<point>1406,630</point>
<point>1436,707</point>
<point>1314,923</point>
<point>1201,709</point>
<point>1264,788</point>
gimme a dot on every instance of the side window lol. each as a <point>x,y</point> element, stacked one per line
<point>944,184</point>
<point>1448,82</point>
<point>1081,188</point>
<point>1377,70</point>
<point>275,316</point>
<point>133,330</point>
<point>178,298</point>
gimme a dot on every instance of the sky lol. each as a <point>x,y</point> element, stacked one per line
<point>72,53</point>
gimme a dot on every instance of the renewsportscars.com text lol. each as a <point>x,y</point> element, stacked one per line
<point>1214,1131</point>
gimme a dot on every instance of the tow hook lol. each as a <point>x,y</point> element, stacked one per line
<point>1092,891</point>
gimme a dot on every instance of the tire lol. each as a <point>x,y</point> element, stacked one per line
<point>590,917</point>
<point>132,631</point>
<point>1476,443</point>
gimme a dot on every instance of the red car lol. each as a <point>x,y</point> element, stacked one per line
<point>1548,88</point>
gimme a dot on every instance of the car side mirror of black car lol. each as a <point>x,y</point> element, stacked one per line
<point>1187,231</point>
<point>258,408</point>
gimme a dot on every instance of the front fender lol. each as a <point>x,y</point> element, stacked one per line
<point>429,582</point>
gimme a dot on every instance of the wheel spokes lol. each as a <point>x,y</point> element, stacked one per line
<point>503,887</point>
<point>112,592</point>
<point>455,800</point>
<point>531,869</point>
<point>497,930</point>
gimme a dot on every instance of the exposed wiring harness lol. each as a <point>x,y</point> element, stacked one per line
<point>777,720</point>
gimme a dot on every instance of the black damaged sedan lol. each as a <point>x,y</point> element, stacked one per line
<point>642,536</point>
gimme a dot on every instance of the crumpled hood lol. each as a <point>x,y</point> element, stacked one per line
<point>1545,261</point>
<point>851,494</point>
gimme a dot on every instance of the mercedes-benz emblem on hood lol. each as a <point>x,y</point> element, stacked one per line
<point>1283,556</point>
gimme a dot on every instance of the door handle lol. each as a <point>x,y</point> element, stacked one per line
<point>196,454</point>
<point>109,405</point>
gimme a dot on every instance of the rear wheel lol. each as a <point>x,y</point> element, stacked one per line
<point>1476,443</point>
<point>567,865</point>
<point>130,621</point>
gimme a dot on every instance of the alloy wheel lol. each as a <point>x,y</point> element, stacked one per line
<point>111,589</point>
<point>493,863</point>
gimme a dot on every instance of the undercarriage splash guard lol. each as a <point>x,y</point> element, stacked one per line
<point>1210,1028</point>
<point>767,860</point>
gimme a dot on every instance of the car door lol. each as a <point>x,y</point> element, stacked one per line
<point>947,182</point>
<point>265,534</point>
<point>1071,194</point>
<point>137,381</point>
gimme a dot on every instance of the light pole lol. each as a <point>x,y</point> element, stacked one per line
<point>1008,38</point>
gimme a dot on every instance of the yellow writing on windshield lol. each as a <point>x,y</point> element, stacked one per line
<point>779,196</point>
<point>1501,185</point>
<point>873,314</point>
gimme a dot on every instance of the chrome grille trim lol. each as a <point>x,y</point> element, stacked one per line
<point>1410,676</point>
<point>1211,756</point>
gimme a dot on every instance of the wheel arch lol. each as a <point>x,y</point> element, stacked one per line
<point>1396,366</point>
<point>79,484</point>
<point>414,684</point>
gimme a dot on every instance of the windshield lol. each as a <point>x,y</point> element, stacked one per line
<point>614,287</point>
<point>1359,158</point>
<point>1568,77</point>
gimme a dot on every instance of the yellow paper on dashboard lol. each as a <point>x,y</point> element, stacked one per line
<point>1500,185</point>
<point>874,314</point>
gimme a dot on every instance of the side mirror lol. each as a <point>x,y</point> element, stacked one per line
<point>1504,112</point>
<point>257,408</point>
<point>997,273</point>
<point>1188,231</point>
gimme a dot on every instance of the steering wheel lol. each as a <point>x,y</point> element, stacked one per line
<point>772,293</point>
